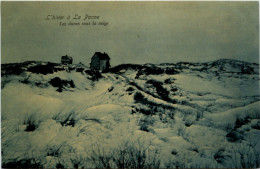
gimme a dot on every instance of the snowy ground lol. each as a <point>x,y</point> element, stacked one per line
<point>202,115</point>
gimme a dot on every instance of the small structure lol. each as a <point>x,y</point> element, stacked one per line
<point>100,61</point>
<point>66,59</point>
<point>80,64</point>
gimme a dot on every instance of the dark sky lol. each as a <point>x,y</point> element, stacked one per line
<point>138,32</point>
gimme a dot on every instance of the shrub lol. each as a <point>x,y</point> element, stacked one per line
<point>169,81</point>
<point>256,126</point>
<point>161,91</point>
<point>153,107</point>
<point>42,69</point>
<point>59,165</point>
<point>241,122</point>
<point>145,122</point>
<point>130,89</point>
<point>218,156</point>
<point>71,69</point>
<point>77,161</point>
<point>155,83</point>
<point>185,134</point>
<point>57,82</point>
<point>149,111</point>
<point>189,119</point>
<point>174,152</point>
<point>247,69</point>
<point>234,136</point>
<point>80,70</point>
<point>245,156</point>
<point>68,119</point>
<point>174,89</point>
<point>150,71</point>
<point>95,75</point>
<point>31,122</point>
<point>54,151</point>
<point>138,97</point>
<point>118,68</point>
<point>127,155</point>
<point>110,89</point>
<point>180,162</point>
<point>11,69</point>
<point>171,71</point>
<point>100,159</point>
<point>24,163</point>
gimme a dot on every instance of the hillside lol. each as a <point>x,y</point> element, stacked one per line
<point>169,115</point>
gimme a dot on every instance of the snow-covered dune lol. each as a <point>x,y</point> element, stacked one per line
<point>172,115</point>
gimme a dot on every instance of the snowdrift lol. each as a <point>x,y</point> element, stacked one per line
<point>203,115</point>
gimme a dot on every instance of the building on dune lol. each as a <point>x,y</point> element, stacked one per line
<point>100,61</point>
<point>66,59</point>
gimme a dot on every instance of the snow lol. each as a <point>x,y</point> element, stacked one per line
<point>103,114</point>
<point>230,87</point>
<point>227,119</point>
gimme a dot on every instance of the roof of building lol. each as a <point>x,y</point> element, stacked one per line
<point>66,57</point>
<point>102,56</point>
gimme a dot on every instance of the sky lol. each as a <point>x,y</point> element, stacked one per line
<point>137,32</point>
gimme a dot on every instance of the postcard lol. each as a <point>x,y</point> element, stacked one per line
<point>130,84</point>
